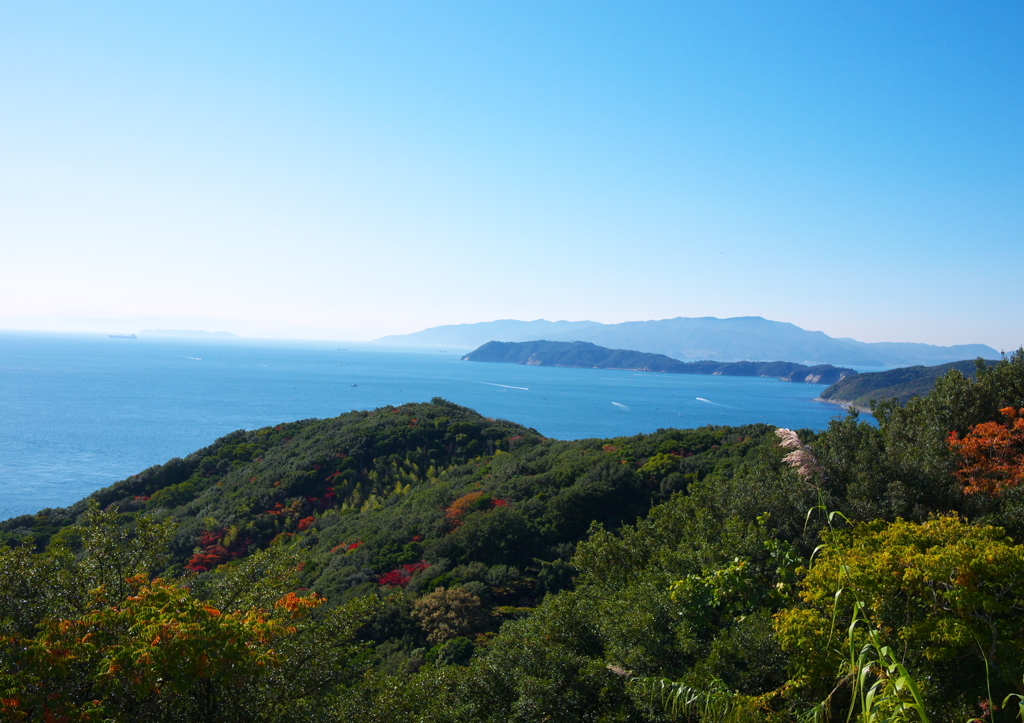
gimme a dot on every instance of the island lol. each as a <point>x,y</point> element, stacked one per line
<point>583,354</point>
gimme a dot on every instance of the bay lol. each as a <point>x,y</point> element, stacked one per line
<point>79,412</point>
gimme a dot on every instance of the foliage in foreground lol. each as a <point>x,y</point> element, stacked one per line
<point>473,570</point>
<point>80,643</point>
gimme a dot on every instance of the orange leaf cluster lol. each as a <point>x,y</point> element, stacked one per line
<point>297,604</point>
<point>458,509</point>
<point>991,454</point>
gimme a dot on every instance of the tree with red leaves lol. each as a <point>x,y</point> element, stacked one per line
<point>991,454</point>
<point>400,576</point>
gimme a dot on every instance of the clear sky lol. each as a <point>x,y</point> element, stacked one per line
<point>346,170</point>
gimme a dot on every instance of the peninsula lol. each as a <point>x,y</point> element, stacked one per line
<point>863,391</point>
<point>583,354</point>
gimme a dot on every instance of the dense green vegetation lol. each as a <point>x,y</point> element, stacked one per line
<point>590,356</point>
<point>862,390</point>
<point>423,563</point>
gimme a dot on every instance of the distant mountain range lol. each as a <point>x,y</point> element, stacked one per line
<point>745,338</point>
<point>583,354</point>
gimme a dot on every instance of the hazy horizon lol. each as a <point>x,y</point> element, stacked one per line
<point>214,334</point>
<point>348,171</point>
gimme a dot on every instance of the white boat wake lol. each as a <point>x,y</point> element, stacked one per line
<point>505,386</point>
<point>622,406</point>
<point>708,401</point>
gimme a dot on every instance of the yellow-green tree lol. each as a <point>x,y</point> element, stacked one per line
<point>945,596</point>
<point>144,653</point>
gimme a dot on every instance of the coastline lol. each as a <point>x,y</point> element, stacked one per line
<point>844,405</point>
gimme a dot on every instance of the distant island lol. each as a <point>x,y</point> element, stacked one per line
<point>192,333</point>
<point>900,384</point>
<point>582,354</point>
<point>694,339</point>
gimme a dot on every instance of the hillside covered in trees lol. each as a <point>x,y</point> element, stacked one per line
<point>900,384</point>
<point>423,563</point>
<point>590,356</point>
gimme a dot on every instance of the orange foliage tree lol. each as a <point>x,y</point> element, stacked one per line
<point>991,454</point>
<point>458,509</point>
<point>455,513</point>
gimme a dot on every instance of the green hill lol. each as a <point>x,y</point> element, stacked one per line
<point>899,384</point>
<point>387,479</point>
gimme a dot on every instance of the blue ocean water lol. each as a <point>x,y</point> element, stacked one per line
<point>79,412</point>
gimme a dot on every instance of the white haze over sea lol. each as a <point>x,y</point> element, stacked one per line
<point>79,412</point>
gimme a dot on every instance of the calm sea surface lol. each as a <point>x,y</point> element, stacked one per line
<point>79,412</point>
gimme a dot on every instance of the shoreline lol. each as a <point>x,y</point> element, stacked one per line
<point>844,405</point>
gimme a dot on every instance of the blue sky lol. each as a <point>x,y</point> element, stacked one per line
<point>348,169</point>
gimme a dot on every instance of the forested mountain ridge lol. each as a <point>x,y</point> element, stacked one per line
<point>474,570</point>
<point>400,482</point>
<point>688,339</point>
<point>587,355</point>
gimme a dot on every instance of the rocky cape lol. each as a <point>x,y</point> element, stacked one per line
<point>582,354</point>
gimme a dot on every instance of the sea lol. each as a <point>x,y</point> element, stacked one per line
<point>79,412</point>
